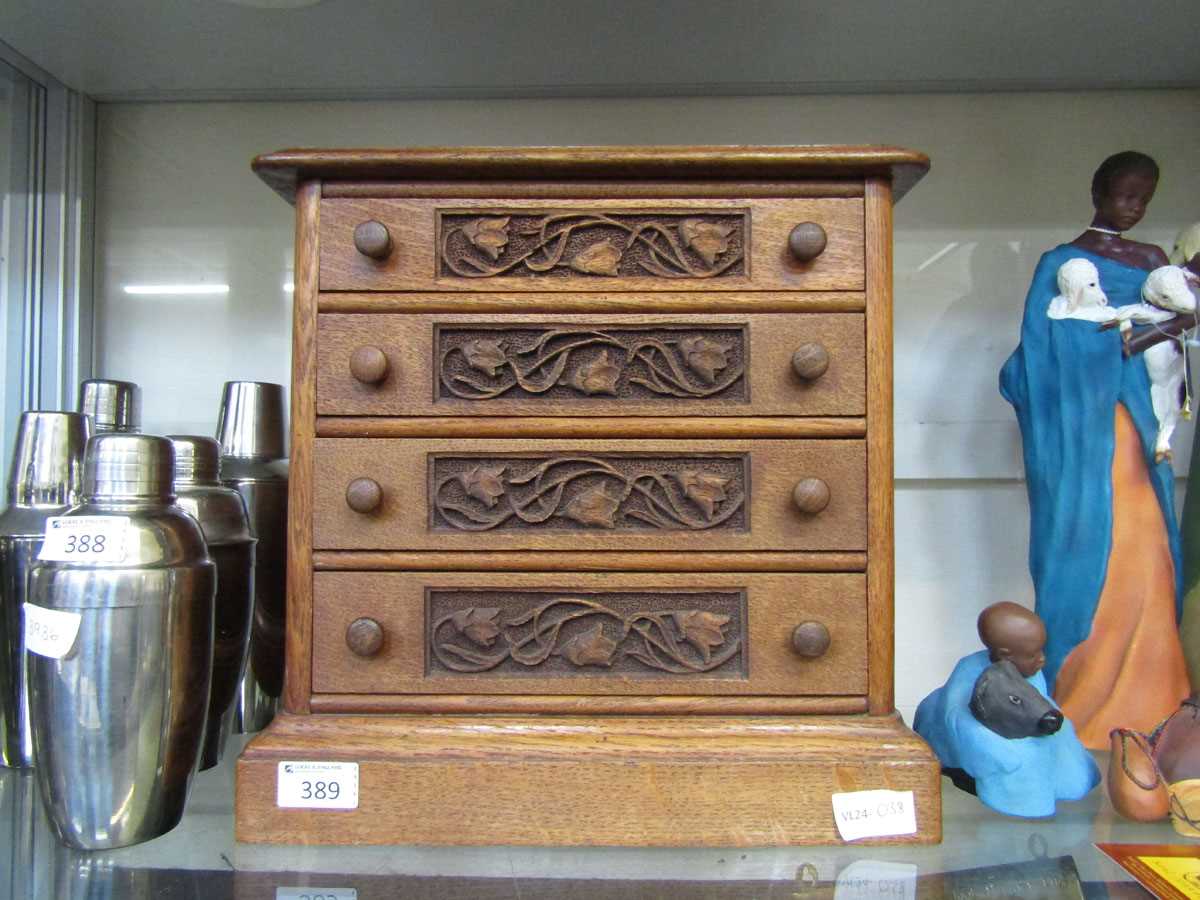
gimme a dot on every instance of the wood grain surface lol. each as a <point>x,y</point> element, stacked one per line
<point>403,522</point>
<point>587,781</point>
<point>673,302</point>
<point>431,372</point>
<point>413,264</point>
<point>594,426</point>
<point>774,605</point>
<point>881,564</point>
<point>567,561</point>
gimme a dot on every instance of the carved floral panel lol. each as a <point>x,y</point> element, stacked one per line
<point>582,633</point>
<point>607,492</point>
<point>602,362</point>
<point>585,244</point>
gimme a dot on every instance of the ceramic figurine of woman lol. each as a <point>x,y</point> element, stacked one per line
<point>1187,253</point>
<point>1104,547</point>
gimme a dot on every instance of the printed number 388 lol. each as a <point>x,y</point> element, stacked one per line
<point>85,543</point>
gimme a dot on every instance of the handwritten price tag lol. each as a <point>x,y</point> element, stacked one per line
<point>85,539</point>
<point>50,632</point>
<point>863,814</point>
<point>317,785</point>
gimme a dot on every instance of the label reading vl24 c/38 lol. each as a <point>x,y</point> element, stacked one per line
<point>85,539</point>
<point>317,785</point>
<point>864,814</point>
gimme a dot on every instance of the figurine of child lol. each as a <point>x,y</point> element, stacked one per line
<point>1000,691</point>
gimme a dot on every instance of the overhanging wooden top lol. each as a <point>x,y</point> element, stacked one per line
<point>284,169</point>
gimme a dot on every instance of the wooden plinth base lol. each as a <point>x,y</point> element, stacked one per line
<point>619,781</point>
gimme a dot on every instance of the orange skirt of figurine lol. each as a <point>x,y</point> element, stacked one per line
<point>1130,672</point>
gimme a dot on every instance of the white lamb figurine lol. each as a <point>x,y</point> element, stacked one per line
<point>1167,290</point>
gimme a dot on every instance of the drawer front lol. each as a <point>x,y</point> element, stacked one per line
<point>590,245</point>
<point>573,365</point>
<point>410,494</point>
<point>577,633</point>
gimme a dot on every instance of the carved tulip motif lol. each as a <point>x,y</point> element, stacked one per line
<point>489,235</point>
<point>708,240</point>
<point>702,488</point>
<point>594,506</point>
<point>484,484</point>
<point>704,357</point>
<point>484,355</point>
<point>590,648</point>
<point>598,376</point>
<point>597,259</point>
<point>479,625</point>
<point>703,630</point>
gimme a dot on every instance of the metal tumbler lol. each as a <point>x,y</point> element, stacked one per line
<point>117,707</point>
<point>45,479</point>
<point>111,405</point>
<point>221,513</point>
<point>250,430</point>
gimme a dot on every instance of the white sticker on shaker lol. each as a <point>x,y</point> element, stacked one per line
<point>50,632</point>
<point>863,814</point>
<point>85,539</point>
<point>317,785</point>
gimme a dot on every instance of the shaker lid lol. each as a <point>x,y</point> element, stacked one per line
<point>252,420</point>
<point>197,458</point>
<point>112,405</point>
<point>47,463</point>
<point>128,467</point>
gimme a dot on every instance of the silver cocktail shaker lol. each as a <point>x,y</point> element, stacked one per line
<point>45,479</point>
<point>111,405</point>
<point>118,700</point>
<point>221,513</point>
<point>251,429</point>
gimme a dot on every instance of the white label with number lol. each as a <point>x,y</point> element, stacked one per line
<point>50,632</point>
<point>317,785</point>
<point>862,814</point>
<point>85,539</point>
<point>315,893</point>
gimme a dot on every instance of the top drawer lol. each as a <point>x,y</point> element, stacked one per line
<point>591,245</point>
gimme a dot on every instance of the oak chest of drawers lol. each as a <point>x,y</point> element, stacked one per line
<point>591,510</point>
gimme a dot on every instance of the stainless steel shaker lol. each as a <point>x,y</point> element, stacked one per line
<point>251,429</point>
<point>221,513</point>
<point>45,479</point>
<point>111,405</point>
<point>118,709</point>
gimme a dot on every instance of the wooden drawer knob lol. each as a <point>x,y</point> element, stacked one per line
<point>807,241</point>
<point>371,239</point>
<point>811,495</point>
<point>809,639</point>
<point>810,361</point>
<point>369,365</point>
<point>364,637</point>
<point>363,495</point>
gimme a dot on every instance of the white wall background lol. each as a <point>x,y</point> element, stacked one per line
<point>1011,173</point>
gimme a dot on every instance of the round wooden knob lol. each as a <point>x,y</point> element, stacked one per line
<point>810,361</point>
<point>363,495</point>
<point>369,365</point>
<point>807,241</point>
<point>811,495</point>
<point>371,239</point>
<point>810,639</point>
<point>364,637</point>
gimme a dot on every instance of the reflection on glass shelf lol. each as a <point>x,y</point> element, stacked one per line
<point>176,290</point>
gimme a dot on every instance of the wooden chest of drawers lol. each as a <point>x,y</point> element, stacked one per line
<point>591,535</point>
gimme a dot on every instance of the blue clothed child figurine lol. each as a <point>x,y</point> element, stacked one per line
<point>997,692</point>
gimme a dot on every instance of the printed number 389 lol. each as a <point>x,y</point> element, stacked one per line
<point>320,790</point>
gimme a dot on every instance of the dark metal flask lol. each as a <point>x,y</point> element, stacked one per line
<point>221,513</point>
<point>118,715</point>
<point>251,430</point>
<point>45,479</point>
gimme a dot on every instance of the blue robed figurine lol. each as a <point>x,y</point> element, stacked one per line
<point>995,730</point>
<point>1104,548</point>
